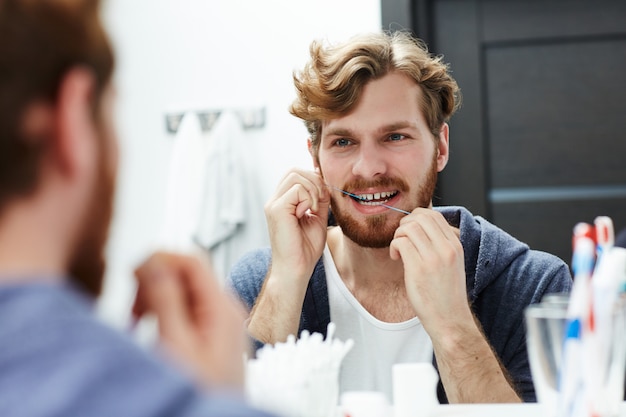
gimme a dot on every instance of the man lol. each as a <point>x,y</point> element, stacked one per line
<point>57,168</point>
<point>402,286</point>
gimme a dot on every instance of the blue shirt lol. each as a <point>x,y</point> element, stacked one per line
<point>58,360</point>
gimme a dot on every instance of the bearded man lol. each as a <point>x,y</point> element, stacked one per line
<point>408,282</point>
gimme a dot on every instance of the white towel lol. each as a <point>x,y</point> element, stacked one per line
<point>185,185</point>
<point>231,219</point>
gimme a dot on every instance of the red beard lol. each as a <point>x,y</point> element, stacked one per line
<point>378,231</point>
<point>87,263</point>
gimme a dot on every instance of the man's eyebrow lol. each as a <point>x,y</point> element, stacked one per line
<point>342,131</point>
<point>339,131</point>
<point>397,126</point>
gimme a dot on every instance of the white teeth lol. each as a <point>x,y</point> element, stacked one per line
<point>368,198</point>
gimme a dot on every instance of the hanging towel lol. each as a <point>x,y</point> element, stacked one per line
<point>185,184</point>
<point>232,219</point>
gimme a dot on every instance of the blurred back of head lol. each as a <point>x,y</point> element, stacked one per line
<point>40,40</point>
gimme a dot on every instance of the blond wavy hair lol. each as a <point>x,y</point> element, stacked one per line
<point>331,83</point>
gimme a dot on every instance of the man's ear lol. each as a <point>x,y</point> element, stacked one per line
<point>309,145</point>
<point>443,147</point>
<point>75,129</point>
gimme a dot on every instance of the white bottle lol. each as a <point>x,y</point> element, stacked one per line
<point>414,389</point>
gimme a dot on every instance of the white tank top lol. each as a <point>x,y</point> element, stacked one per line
<point>377,344</point>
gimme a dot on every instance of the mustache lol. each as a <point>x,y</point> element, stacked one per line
<point>382,182</point>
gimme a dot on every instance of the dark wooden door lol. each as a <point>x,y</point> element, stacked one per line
<point>540,141</point>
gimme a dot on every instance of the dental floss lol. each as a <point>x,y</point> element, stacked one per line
<point>378,204</point>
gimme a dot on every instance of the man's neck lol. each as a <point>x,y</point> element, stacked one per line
<point>373,278</point>
<point>31,246</point>
<point>364,267</point>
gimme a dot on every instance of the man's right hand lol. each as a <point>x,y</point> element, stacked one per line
<point>297,217</point>
<point>200,325</point>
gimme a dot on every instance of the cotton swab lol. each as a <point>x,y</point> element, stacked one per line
<point>375,203</point>
<point>299,377</point>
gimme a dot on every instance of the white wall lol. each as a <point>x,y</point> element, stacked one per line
<point>213,54</point>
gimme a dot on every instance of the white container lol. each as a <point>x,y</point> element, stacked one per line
<point>364,404</point>
<point>414,389</point>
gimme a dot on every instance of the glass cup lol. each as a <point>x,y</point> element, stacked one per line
<point>612,393</point>
<point>545,331</point>
<point>546,325</point>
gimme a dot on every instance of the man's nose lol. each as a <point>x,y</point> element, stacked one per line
<point>370,161</point>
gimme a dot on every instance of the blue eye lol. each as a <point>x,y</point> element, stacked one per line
<point>394,137</point>
<point>342,143</point>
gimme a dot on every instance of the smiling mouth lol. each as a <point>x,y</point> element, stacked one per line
<point>374,199</point>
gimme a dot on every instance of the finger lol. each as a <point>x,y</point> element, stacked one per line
<point>428,230</point>
<point>442,237</point>
<point>197,283</point>
<point>415,237</point>
<point>434,223</point>
<point>397,247</point>
<point>450,232</point>
<point>138,308</point>
<point>195,269</point>
<point>218,319</point>
<point>309,180</point>
<point>201,288</point>
<point>324,188</point>
<point>163,295</point>
<point>325,191</point>
<point>300,199</point>
<point>315,178</point>
<point>437,250</point>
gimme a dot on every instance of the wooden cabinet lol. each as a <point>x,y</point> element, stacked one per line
<point>539,143</point>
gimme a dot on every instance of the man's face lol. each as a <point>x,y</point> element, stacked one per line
<point>87,263</point>
<point>382,150</point>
